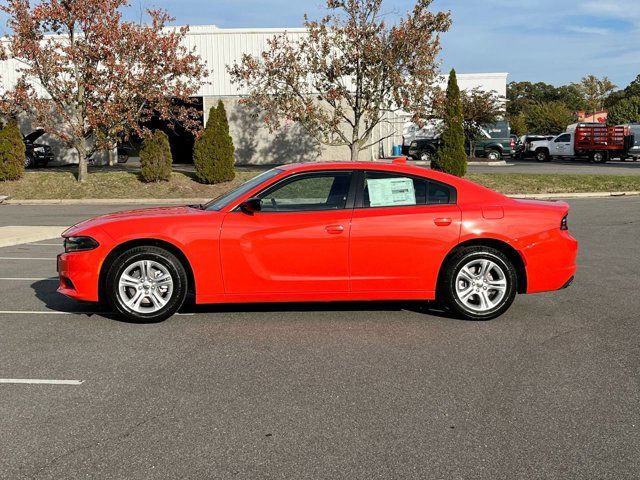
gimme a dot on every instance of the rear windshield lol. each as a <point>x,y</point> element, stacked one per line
<point>498,130</point>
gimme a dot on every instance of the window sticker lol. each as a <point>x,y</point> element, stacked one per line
<point>387,192</point>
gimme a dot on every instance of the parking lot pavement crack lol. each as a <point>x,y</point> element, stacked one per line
<point>114,439</point>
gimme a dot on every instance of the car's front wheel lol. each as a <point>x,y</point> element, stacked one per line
<point>479,283</point>
<point>146,284</point>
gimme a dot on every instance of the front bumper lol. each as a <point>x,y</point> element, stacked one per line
<point>79,274</point>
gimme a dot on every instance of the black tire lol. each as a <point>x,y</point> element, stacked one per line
<point>427,155</point>
<point>542,155</point>
<point>136,254</point>
<point>600,156</point>
<point>493,155</point>
<point>29,161</point>
<point>447,287</point>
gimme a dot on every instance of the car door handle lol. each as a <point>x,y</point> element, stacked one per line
<point>334,229</point>
<point>442,222</point>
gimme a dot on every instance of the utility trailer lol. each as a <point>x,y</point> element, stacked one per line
<point>595,141</point>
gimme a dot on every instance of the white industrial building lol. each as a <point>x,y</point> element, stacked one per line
<point>254,144</point>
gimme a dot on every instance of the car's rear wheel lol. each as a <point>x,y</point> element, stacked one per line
<point>426,156</point>
<point>146,284</point>
<point>493,155</point>
<point>28,161</point>
<point>479,283</point>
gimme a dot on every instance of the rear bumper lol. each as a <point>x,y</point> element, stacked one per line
<point>551,262</point>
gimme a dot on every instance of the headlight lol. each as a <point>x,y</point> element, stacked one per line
<point>39,149</point>
<point>79,244</point>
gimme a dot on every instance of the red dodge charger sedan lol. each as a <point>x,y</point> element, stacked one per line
<point>325,232</point>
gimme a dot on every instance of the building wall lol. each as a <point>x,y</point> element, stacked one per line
<point>254,143</point>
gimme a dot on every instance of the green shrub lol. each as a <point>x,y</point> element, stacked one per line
<point>12,152</point>
<point>451,156</point>
<point>155,158</point>
<point>213,151</point>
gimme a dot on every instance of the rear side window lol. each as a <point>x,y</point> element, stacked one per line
<point>394,190</point>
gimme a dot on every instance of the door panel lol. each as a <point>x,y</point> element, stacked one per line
<point>286,252</point>
<point>401,248</point>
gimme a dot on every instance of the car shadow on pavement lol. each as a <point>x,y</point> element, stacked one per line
<point>422,307</point>
<point>46,292</point>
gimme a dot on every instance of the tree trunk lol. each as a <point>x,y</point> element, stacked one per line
<point>83,173</point>
<point>82,167</point>
<point>355,151</point>
<point>113,156</point>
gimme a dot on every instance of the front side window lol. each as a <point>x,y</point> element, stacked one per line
<point>389,190</point>
<point>308,192</point>
<point>222,201</point>
<point>563,138</point>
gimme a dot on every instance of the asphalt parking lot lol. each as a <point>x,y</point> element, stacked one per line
<point>345,391</point>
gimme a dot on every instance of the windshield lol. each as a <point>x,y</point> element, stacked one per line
<point>223,200</point>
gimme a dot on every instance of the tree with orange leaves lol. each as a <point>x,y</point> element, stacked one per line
<point>89,78</point>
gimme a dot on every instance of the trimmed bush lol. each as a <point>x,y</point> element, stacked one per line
<point>155,158</point>
<point>12,152</point>
<point>451,156</point>
<point>213,151</point>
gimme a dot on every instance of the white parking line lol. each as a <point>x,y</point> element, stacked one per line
<point>28,258</point>
<point>36,381</point>
<point>25,279</point>
<point>55,312</point>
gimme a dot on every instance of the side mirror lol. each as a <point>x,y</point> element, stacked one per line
<point>251,206</point>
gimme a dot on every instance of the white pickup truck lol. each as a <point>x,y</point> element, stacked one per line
<point>584,140</point>
<point>560,146</point>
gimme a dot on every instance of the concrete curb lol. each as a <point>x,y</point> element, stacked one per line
<point>543,196</point>
<point>189,201</point>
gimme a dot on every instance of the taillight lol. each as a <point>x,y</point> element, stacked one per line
<point>564,224</point>
<point>513,143</point>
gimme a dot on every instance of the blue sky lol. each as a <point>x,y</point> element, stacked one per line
<point>556,41</point>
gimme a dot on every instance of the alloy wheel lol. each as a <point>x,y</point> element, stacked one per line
<point>145,286</point>
<point>481,285</point>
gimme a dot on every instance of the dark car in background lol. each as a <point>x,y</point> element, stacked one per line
<point>424,149</point>
<point>634,149</point>
<point>37,154</point>
<point>495,142</point>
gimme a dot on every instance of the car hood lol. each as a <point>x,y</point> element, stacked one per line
<point>33,136</point>
<point>131,215</point>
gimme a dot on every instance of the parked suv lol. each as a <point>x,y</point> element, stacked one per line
<point>37,154</point>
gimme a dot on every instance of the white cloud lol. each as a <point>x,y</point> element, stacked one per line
<point>588,30</point>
